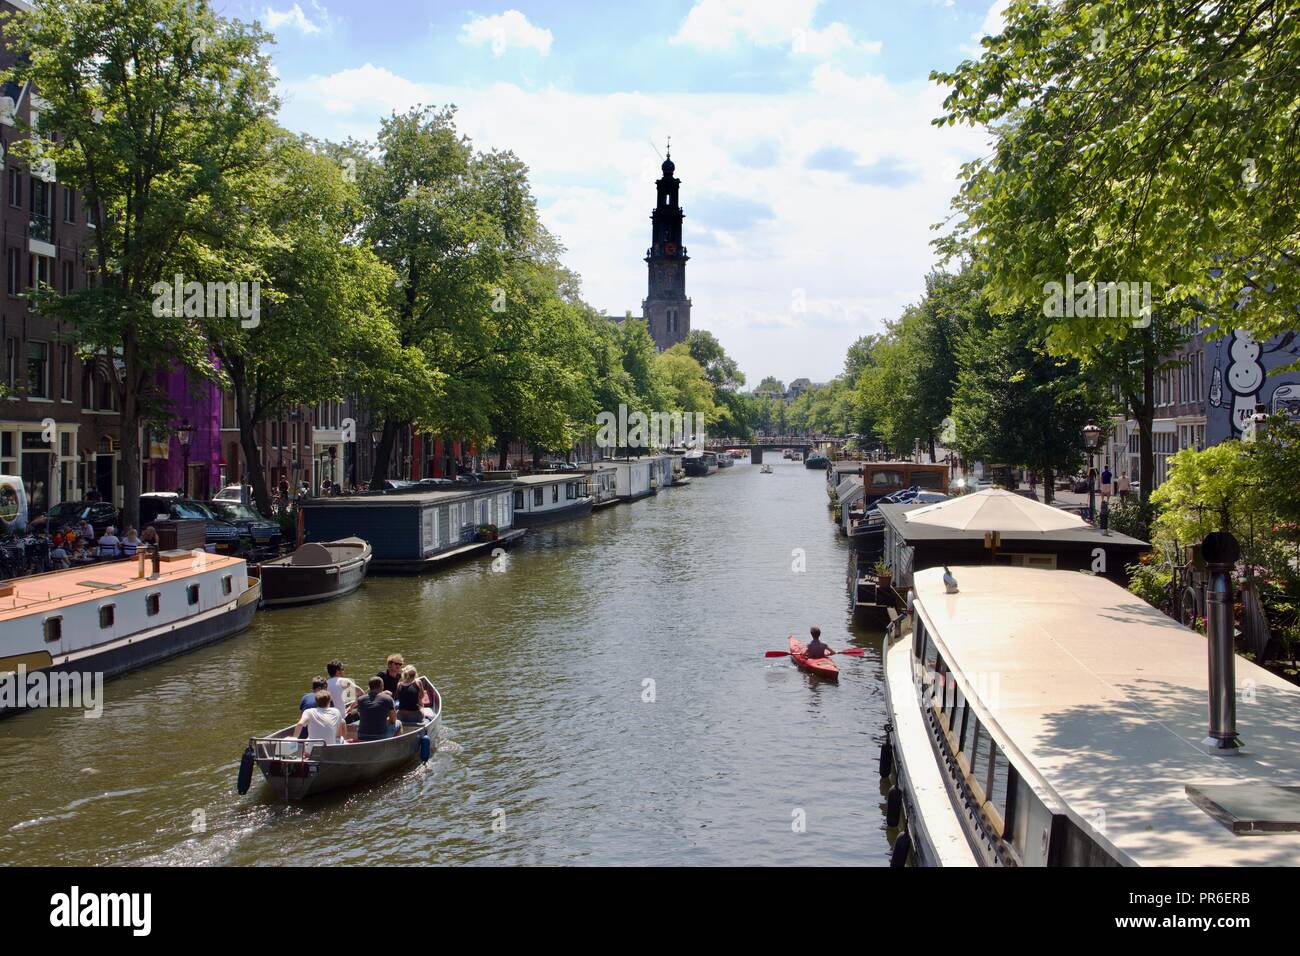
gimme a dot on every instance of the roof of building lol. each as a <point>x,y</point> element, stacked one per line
<point>1106,698</point>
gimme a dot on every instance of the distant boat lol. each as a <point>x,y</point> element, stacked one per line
<point>765,470</point>
<point>317,571</point>
<point>815,460</point>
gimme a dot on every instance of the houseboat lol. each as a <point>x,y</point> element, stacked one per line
<point>1050,718</point>
<point>848,499</point>
<point>837,471</point>
<point>415,528</point>
<point>881,478</point>
<point>315,572</point>
<point>542,499</point>
<point>725,459</point>
<point>632,478</point>
<point>700,463</point>
<point>661,470</point>
<point>602,483</point>
<point>114,617</point>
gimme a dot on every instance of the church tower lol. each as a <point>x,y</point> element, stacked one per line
<point>666,309</point>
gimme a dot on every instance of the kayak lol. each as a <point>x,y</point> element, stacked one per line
<point>821,666</point>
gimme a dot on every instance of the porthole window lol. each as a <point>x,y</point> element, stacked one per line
<point>192,594</point>
<point>106,615</point>
<point>53,629</point>
<point>152,603</point>
<point>227,584</point>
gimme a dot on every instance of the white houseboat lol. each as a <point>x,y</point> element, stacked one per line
<point>541,499</point>
<point>602,483</point>
<point>632,479</point>
<point>1051,718</point>
<point>114,617</point>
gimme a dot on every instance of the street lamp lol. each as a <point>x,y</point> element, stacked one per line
<point>185,434</point>
<point>1091,439</point>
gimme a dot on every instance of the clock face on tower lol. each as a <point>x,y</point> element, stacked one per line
<point>670,249</point>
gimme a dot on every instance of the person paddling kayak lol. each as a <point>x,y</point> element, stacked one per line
<point>815,647</point>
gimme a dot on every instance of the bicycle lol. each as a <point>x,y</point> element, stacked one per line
<point>1184,599</point>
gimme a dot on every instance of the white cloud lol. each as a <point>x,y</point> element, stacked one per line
<point>829,41</point>
<point>505,31</point>
<point>719,24</point>
<point>294,18</point>
<point>994,23</point>
<point>856,251</point>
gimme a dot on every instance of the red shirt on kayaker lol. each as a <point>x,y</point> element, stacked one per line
<point>815,647</point>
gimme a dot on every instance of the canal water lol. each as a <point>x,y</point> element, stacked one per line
<point>606,702</point>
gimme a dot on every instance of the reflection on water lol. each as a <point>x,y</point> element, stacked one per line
<point>606,701</point>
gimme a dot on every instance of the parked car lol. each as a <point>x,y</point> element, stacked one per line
<point>222,535</point>
<point>258,529</point>
<point>235,493</point>
<point>100,514</point>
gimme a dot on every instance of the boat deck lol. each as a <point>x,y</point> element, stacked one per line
<point>20,595</point>
<point>1106,699</point>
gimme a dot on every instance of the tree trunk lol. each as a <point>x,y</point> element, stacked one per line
<point>248,442</point>
<point>1049,486</point>
<point>384,453</point>
<point>1146,420</point>
<point>503,452</point>
<point>129,445</point>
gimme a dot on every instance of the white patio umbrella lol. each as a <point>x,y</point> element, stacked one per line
<point>995,510</point>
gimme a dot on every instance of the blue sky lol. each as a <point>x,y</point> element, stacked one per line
<point>810,174</point>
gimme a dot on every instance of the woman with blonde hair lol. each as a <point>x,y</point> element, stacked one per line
<point>411,698</point>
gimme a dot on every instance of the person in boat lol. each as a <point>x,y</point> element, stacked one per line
<point>411,698</point>
<point>338,687</point>
<point>308,701</point>
<point>815,647</point>
<point>321,722</point>
<point>392,674</point>
<point>377,712</point>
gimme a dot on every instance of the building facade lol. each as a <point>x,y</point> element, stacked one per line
<point>59,421</point>
<point>666,309</point>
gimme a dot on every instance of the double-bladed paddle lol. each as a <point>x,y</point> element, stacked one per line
<point>847,652</point>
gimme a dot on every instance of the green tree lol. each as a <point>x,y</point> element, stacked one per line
<point>1136,140</point>
<point>161,108</point>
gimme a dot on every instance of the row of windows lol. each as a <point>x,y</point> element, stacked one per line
<point>41,195</point>
<point>572,491</point>
<point>40,272</point>
<point>1012,814</point>
<point>35,369</point>
<point>152,605</point>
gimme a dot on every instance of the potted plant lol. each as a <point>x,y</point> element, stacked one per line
<point>883,575</point>
<point>487,532</point>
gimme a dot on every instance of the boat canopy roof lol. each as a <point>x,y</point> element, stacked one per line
<point>849,490</point>
<point>1102,701</point>
<point>1081,534</point>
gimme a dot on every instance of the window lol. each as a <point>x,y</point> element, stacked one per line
<point>11,362</point>
<point>69,204</point>
<point>65,372</point>
<point>192,594</point>
<point>997,782</point>
<point>106,615</point>
<point>69,276</point>
<point>13,271</point>
<point>519,499</point>
<point>38,369</point>
<point>555,493</point>
<point>53,629</point>
<point>152,604</point>
<point>40,271</point>
<point>537,497</point>
<point>15,187</point>
<point>227,584</point>
<point>976,753</point>
<point>570,490</point>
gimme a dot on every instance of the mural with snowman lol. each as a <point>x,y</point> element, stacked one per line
<point>1244,382</point>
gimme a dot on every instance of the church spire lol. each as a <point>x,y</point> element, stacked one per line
<point>666,309</point>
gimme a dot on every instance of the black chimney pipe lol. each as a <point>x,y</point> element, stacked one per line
<point>1220,550</point>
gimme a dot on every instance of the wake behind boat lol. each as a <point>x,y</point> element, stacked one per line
<point>295,769</point>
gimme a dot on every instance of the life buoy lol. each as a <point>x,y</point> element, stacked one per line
<point>902,849</point>
<point>893,807</point>
<point>886,758</point>
<point>246,765</point>
<point>426,748</point>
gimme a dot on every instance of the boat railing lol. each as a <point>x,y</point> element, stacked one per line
<point>288,749</point>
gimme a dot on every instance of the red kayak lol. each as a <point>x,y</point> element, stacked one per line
<point>821,666</point>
